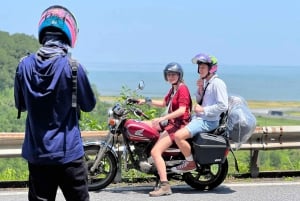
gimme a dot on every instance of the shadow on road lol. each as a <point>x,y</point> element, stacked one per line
<point>182,189</point>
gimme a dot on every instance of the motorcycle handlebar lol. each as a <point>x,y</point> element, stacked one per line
<point>137,111</point>
<point>141,113</point>
<point>132,100</point>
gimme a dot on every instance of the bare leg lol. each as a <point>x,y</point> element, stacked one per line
<point>161,145</point>
<point>180,138</point>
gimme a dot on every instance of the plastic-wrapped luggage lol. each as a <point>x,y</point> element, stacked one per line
<point>241,122</point>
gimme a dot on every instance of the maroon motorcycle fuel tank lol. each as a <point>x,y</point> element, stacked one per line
<point>139,131</point>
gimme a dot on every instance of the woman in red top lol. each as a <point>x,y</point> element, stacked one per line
<point>178,103</point>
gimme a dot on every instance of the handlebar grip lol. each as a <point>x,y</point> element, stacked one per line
<point>132,100</point>
<point>141,113</point>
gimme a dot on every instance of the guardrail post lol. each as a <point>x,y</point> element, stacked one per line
<point>254,169</point>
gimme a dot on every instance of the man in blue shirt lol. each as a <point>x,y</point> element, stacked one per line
<point>53,88</point>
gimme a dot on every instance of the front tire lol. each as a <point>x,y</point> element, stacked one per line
<point>106,170</point>
<point>209,176</point>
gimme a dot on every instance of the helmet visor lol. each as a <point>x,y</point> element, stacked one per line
<point>201,58</point>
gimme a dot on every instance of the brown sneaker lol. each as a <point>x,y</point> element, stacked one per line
<point>165,189</point>
<point>186,166</point>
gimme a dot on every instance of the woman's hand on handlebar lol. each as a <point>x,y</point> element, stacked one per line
<point>147,100</point>
<point>141,101</point>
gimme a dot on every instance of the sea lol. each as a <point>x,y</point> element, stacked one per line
<point>253,82</point>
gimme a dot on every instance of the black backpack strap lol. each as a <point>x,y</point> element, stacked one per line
<point>221,130</point>
<point>231,150</point>
<point>223,126</point>
<point>235,161</point>
<point>21,99</point>
<point>19,113</point>
<point>74,67</point>
<point>201,100</point>
<point>19,106</point>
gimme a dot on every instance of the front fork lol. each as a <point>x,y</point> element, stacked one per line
<point>102,151</point>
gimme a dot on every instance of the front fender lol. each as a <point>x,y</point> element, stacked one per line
<point>99,144</point>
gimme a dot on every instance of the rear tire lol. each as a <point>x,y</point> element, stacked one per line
<point>209,177</point>
<point>104,173</point>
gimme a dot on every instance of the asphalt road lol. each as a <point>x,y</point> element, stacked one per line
<point>241,191</point>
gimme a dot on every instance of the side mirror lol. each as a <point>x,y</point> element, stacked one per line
<point>141,85</point>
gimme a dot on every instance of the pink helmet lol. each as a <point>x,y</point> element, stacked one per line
<point>58,19</point>
<point>214,62</point>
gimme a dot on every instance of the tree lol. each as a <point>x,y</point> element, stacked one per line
<point>12,49</point>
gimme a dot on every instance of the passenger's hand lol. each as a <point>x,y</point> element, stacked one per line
<point>198,109</point>
<point>200,84</point>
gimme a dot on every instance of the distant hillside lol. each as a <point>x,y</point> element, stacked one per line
<point>12,49</point>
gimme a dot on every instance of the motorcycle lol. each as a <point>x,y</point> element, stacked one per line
<point>105,160</point>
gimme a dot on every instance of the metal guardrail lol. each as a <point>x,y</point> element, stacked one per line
<point>270,138</point>
<point>273,137</point>
<point>263,138</point>
<point>11,143</point>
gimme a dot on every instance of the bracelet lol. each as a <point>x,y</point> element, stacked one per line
<point>148,100</point>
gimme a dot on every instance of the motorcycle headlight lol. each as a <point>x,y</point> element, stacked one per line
<point>118,110</point>
<point>112,121</point>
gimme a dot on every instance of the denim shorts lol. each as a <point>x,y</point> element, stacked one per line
<point>198,125</point>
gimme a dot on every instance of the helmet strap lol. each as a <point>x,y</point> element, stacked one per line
<point>208,74</point>
<point>203,78</point>
<point>176,83</point>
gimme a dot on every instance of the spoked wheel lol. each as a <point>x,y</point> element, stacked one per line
<point>105,171</point>
<point>209,177</point>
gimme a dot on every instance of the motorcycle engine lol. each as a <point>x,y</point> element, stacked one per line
<point>144,160</point>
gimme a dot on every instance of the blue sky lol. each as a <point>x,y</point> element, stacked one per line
<point>257,32</point>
